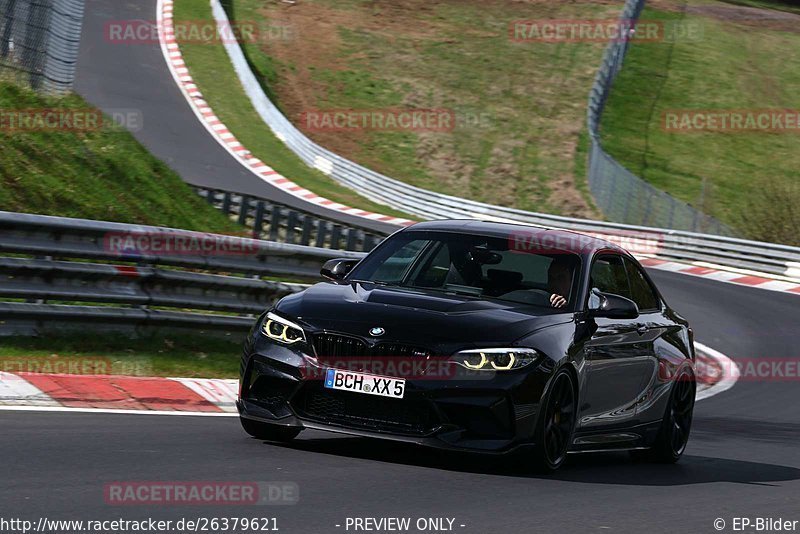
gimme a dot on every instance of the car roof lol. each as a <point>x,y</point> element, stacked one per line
<point>524,235</point>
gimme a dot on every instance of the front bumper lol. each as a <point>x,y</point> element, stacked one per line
<point>498,413</point>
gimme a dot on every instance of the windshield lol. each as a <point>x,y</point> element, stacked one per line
<point>473,265</point>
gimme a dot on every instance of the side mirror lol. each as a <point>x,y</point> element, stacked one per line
<point>337,269</point>
<point>611,306</point>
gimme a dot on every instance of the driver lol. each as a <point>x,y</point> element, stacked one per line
<point>559,280</point>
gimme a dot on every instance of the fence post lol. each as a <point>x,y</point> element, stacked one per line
<point>8,29</point>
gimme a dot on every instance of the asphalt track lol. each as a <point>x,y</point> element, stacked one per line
<point>134,76</point>
<point>742,459</point>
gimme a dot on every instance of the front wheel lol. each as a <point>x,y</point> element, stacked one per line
<point>556,424</point>
<point>269,432</point>
<point>676,424</point>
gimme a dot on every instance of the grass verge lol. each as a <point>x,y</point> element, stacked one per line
<point>184,356</point>
<point>746,179</point>
<point>93,173</point>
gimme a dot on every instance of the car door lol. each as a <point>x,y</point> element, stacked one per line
<point>618,364</point>
<point>651,323</point>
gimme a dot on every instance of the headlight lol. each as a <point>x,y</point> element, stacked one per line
<point>500,359</point>
<point>282,330</point>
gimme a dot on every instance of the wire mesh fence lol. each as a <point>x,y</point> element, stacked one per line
<point>621,195</point>
<point>39,42</point>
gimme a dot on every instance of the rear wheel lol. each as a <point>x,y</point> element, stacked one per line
<point>268,432</point>
<point>674,433</point>
<point>556,423</point>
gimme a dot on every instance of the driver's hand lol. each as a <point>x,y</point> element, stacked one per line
<point>557,301</point>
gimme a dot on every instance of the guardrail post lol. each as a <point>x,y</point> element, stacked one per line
<point>209,194</point>
<point>336,236</point>
<point>308,226</point>
<point>291,223</point>
<point>322,228</point>
<point>369,242</point>
<point>352,239</point>
<point>244,210</point>
<point>226,203</point>
<point>258,221</point>
<point>274,222</point>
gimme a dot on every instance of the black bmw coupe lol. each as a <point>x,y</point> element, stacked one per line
<point>478,336</point>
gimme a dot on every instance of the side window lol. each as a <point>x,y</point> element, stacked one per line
<point>609,276</point>
<point>433,270</point>
<point>393,269</point>
<point>641,291</point>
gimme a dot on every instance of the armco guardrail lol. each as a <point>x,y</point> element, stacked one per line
<point>57,272</point>
<point>39,40</point>
<point>275,222</point>
<point>381,188</point>
<point>676,245</point>
<point>66,272</point>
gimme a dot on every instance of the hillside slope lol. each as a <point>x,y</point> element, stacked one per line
<point>517,108</point>
<point>740,59</point>
<point>86,171</point>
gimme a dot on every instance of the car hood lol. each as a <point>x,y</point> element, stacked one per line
<point>416,316</point>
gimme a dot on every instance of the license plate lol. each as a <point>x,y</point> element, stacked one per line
<point>383,386</point>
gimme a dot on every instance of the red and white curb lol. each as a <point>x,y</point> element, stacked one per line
<point>220,132</point>
<point>715,372</point>
<point>742,278</point>
<point>211,397</point>
<point>118,394</point>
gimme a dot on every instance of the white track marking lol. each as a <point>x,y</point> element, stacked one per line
<point>15,389</point>
<point>730,372</point>
<point>220,392</point>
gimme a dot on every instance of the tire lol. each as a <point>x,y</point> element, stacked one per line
<point>676,424</point>
<point>268,432</point>
<point>556,424</point>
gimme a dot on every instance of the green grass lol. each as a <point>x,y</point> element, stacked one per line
<point>102,174</point>
<point>736,177</point>
<point>519,107</point>
<point>178,355</point>
<point>211,69</point>
<point>789,6</point>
